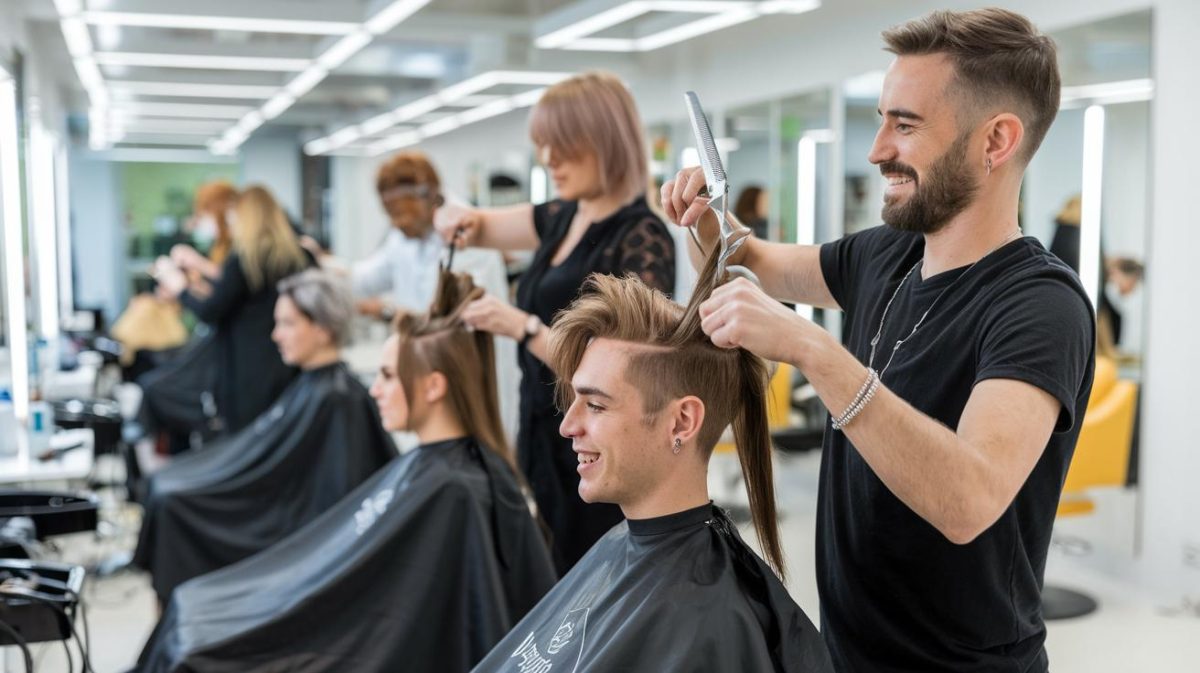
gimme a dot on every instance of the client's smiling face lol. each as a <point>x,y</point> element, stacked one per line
<point>623,454</point>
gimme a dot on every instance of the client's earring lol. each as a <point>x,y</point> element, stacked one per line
<point>678,445</point>
<point>989,166</point>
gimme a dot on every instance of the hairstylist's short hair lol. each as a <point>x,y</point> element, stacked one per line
<point>1001,63</point>
<point>323,298</point>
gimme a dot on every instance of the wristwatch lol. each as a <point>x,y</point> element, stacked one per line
<point>533,325</point>
<point>387,313</point>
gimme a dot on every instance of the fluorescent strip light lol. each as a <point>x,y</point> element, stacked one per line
<point>391,16</point>
<point>444,125</point>
<point>183,90</point>
<point>591,25</point>
<point>467,87</point>
<point>601,44</point>
<point>79,41</point>
<point>806,202</point>
<point>250,123</point>
<point>694,29</point>
<point>68,7</point>
<point>417,108</point>
<point>305,81</point>
<point>1089,222</point>
<point>724,13</point>
<point>278,103</point>
<point>134,138</point>
<point>232,23</point>
<point>91,79</point>
<point>787,6</point>
<point>398,141</point>
<point>97,128</point>
<point>180,110</point>
<point>201,62</point>
<point>14,265</point>
<point>45,230</point>
<point>343,49</point>
<point>62,186</point>
<point>377,124</point>
<point>485,112</point>
<point>1107,93</point>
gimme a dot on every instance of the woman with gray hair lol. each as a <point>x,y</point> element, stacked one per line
<point>312,318</point>
<point>319,441</point>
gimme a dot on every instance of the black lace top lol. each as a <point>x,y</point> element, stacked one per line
<point>631,240</point>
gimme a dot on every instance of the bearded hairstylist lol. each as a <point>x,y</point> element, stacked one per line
<point>958,394</point>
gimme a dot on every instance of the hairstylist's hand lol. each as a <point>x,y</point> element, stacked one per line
<point>680,197</point>
<point>739,314</point>
<point>450,217</point>
<point>171,281</point>
<point>493,315</point>
<point>185,257</point>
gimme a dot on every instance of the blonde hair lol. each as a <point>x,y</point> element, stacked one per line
<point>682,361</point>
<point>593,113</point>
<point>438,341</point>
<point>263,239</point>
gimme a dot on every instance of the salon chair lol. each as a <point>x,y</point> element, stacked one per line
<point>1101,460</point>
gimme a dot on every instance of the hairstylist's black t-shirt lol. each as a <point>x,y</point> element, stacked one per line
<point>896,595</point>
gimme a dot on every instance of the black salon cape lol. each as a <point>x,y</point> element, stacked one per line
<point>423,568</point>
<point>676,594</point>
<point>175,393</point>
<point>241,494</point>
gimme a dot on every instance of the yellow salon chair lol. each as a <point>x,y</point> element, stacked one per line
<point>1101,459</point>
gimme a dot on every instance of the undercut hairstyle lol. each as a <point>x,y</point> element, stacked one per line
<point>672,358</point>
<point>1001,62</point>
<point>438,341</point>
<point>593,113</point>
<point>324,299</point>
<point>408,168</point>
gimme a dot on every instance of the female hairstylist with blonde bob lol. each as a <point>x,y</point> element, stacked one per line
<point>589,137</point>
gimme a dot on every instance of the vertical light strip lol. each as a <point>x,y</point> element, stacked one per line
<point>14,264</point>
<point>44,241</point>
<point>1093,177</point>
<point>66,281</point>
<point>806,202</point>
<point>538,192</point>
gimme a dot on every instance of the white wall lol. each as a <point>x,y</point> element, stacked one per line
<point>273,160</point>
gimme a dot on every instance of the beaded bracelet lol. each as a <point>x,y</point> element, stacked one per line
<point>864,396</point>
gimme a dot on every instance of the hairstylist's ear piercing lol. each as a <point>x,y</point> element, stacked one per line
<point>678,445</point>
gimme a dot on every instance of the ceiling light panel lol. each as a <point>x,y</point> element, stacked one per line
<point>576,27</point>
<point>338,53</point>
<point>450,97</point>
<point>186,90</point>
<point>229,23</point>
<point>201,62</point>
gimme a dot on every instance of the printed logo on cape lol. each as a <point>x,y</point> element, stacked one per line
<point>562,651</point>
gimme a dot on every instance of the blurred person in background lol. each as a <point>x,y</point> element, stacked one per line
<point>751,209</point>
<point>239,307</point>
<point>588,135</point>
<point>402,273</point>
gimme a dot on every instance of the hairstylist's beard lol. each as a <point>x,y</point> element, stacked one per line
<point>946,190</point>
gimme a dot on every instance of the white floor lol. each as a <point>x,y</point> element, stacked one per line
<point>1129,633</point>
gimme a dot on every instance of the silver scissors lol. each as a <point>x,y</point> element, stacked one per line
<point>716,188</point>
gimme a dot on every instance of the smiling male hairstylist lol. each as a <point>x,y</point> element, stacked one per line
<point>959,394</point>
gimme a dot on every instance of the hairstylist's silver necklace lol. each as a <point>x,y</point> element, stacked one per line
<point>879,332</point>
